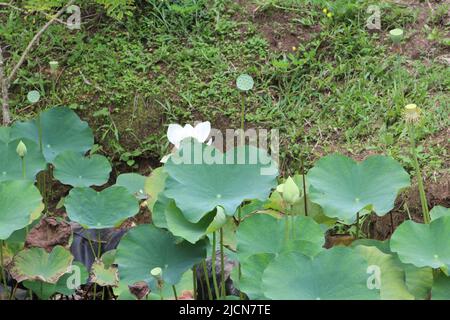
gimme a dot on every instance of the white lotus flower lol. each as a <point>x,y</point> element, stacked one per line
<point>176,134</point>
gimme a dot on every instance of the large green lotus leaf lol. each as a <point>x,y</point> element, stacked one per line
<point>11,164</point>
<point>198,188</point>
<point>335,274</point>
<point>418,280</point>
<point>46,290</point>
<point>262,233</point>
<point>159,211</point>
<point>423,245</point>
<point>61,129</point>
<point>392,275</point>
<point>343,187</point>
<point>439,211</point>
<point>145,247</point>
<point>100,210</point>
<point>181,227</point>
<point>441,288</point>
<point>76,170</point>
<point>134,182</point>
<point>19,201</point>
<point>37,264</point>
<point>154,185</point>
<point>252,270</point>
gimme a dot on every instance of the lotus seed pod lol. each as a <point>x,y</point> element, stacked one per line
<point>412,113</point>
<point>396,35</point>
<point>21,149</point>
<point>244,82</point>
<point>156,272</point>
<point>291,193</point>
<point>53,65</point>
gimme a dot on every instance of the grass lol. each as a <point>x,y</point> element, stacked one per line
<point>342,89</point>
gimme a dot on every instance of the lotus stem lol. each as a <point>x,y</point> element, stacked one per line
<point>13,293</point>
<point>242,118</point>
<point>194,278</point>
<point>423,198</point>
<point>222,262</point>
<point>357,226</point>
<point>208,286</point>
<point>175,292</point>
<point>304,187</point>
<point>23,168</point>
<point>99,244</point>
<point>5,284</point>
<point>103,294</point>
<point>213,261</point>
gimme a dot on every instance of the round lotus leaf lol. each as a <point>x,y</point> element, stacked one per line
<point>74,169</point>
<point>65,285</point>
<point>146,247</point>
<point>391,274</point>
<point>423,245</point>
<point>33,96</point>
<point>19,201</point>
<point>154,185</point>
<point>104,276</point>
<point>38,264</point>
<point>441,288</point>
<point>135,184</point>
<point>343,187</point>
<point>11,163</point>
<point>179,226</point>
<point>335,274</point>
<point>262,233</point>
<point>418,280</point>
<point>100,210</point>
<point>198,187</point>
<point>244,82</point>
<point>439,211</point>
<point>61,129</point>
<point>252,270</point>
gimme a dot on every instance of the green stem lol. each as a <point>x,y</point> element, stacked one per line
<point>99,244</point>
<point>103,294</point>
<point>5,285</point>
<point>208,286</point>
<point>305,202</point>
<point>23,167</point>
<point>175,292</point>
<point>194,278</point>
<point>357,226</point>
<point>222,263</point>
<point>423,198</point>
<point>213,261</point>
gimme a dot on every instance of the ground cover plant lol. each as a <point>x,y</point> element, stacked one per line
<point>117,180</point>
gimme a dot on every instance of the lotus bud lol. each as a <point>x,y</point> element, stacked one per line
<point>53,66</point>
<point>21,149</point>
<point>291,193</point>
<point>412,113</point>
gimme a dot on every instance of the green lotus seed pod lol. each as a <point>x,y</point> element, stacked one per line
<point>244,82</point>
<point>291,193</point>
<point>21,149</point>
<point>396,35</point>
<point>156,272</point>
